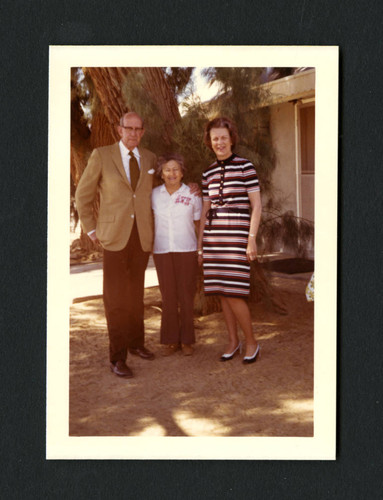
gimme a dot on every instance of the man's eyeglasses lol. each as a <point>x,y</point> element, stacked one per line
<point>133,129</point>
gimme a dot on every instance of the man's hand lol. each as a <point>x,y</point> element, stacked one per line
<point>93,237</point>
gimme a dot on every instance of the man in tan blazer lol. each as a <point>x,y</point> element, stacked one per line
<point>123,174</point>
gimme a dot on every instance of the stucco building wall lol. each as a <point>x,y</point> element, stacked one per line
<point>283,137</point>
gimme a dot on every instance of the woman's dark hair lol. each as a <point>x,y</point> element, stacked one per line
<point>221,122</point>
<point>169,157</point>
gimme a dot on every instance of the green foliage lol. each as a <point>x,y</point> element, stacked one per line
<point>240,92</point>
<point>286,230</point>
<point>188,140</point>
<point>178,80</point>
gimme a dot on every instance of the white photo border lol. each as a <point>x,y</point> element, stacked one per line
<point>322,446</point>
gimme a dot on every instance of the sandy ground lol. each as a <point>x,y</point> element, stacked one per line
<point>197,395</point>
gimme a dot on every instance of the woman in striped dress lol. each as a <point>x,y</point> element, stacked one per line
<point>227,238</point>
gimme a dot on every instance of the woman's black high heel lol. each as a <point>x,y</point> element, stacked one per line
<point>251,359</point>
<point>227,357</point>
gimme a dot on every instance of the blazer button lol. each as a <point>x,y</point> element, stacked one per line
<point>132,216</point>
<point>134,196</point>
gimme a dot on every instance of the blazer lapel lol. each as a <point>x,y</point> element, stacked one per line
<point>117,160</point>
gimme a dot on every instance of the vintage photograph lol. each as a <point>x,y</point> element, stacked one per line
<point>199,260</point>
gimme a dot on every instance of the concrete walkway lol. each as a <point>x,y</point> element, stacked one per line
<point>86,280</point>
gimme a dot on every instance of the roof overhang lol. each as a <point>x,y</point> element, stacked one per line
<point>290,88</point>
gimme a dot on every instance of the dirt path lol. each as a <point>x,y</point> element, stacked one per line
<point>197,395</point>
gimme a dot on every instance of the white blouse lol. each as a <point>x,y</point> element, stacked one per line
<point>174,216</point>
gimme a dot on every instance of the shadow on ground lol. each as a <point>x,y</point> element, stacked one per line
<point>197,395</point>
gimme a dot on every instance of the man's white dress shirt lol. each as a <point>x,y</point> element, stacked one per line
<point>126,158</point>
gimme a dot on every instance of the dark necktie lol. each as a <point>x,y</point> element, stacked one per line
<point>134,170</point>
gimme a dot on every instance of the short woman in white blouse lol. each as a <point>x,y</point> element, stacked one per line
<point>176,218</point>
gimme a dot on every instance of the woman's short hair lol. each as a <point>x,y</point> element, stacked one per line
<point>221,122</point>
<point>165,158</point>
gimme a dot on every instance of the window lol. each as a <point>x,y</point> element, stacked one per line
<point>307,125</point>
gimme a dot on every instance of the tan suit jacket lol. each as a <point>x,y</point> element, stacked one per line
<point>119,204</point>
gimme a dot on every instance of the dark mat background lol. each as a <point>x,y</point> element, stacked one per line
<point>27,29</point>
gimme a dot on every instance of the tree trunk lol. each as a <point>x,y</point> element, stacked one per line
<point>108,83</point>
<point>80,139</point>
<point>102,133</point>
<point>80,148</point>
<point>165,100</point>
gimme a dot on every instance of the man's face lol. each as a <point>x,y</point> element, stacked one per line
<point>131,132</point>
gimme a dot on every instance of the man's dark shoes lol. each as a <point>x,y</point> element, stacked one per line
<point>120,369</point>
<point>142,352</point>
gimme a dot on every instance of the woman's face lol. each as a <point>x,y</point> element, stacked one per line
<point>172,174</point>
<point>221,142</point>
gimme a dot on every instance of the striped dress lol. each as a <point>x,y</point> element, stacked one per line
<point>226,185</point>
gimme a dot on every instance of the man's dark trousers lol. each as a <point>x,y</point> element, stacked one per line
<point>124,279</point>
